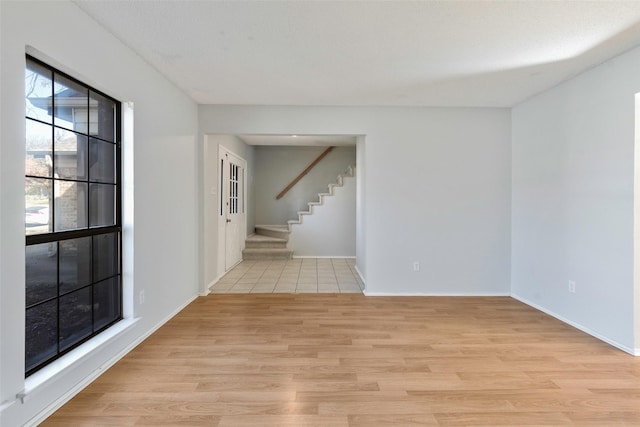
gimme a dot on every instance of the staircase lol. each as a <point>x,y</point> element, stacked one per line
<point>350,172</point>
<point>270,241</point>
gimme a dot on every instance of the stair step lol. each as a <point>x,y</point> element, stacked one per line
<point>260,241</point>
<point>348,173</point>
<point>277,231</point>
<point>266,253</point>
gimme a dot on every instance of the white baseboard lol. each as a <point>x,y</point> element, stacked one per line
<point>436,294</point>
<point>57,404</point>
<point>632,351</point>
<point>212,283</point>
<point>361,276</point>
<point>323,256</point>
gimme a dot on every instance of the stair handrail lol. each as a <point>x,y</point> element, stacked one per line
<point>303,173</point>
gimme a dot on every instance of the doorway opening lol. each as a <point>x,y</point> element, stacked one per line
<point>231,171</point>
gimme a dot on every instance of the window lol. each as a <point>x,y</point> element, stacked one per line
<point>233,188</point>
<point>72,213</point>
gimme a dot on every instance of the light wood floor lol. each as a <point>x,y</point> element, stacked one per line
<point>348,360</point>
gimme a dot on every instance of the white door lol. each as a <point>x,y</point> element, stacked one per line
<point>232,170</point>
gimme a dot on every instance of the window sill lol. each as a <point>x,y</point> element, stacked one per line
<point>83,351</point>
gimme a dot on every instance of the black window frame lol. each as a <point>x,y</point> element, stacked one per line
<point>86,231</point>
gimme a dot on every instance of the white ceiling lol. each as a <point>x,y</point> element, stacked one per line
<point>419,53</point>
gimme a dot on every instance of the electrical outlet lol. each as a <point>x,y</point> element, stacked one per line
<point>416,266</point>
<point>141,297</point>
<point>572,286</point>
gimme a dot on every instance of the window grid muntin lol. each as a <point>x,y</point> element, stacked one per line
<point>115,293</point>
<point>233,188</point>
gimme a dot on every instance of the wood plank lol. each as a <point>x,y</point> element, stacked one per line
<point>348,360</point>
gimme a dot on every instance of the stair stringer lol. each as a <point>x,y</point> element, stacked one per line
<point>327,229</point>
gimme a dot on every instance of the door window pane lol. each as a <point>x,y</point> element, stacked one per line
<point>71,205</point>
<point>41,272</point>
<point>75,264</point>
<point>75,317</point>
<point>41,329</point>
<point>70,155</point>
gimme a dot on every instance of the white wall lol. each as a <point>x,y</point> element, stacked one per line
<point>277,166</point>
<point>330,231</point>
<point>164,230</point>
<point>437,189</point>
<point>572,212</point>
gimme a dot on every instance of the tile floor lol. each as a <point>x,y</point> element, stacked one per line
<point>299,275</point>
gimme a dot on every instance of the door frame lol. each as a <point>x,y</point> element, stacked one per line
<point>223,152</point>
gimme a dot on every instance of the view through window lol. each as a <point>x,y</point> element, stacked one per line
<point>72,213</point>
